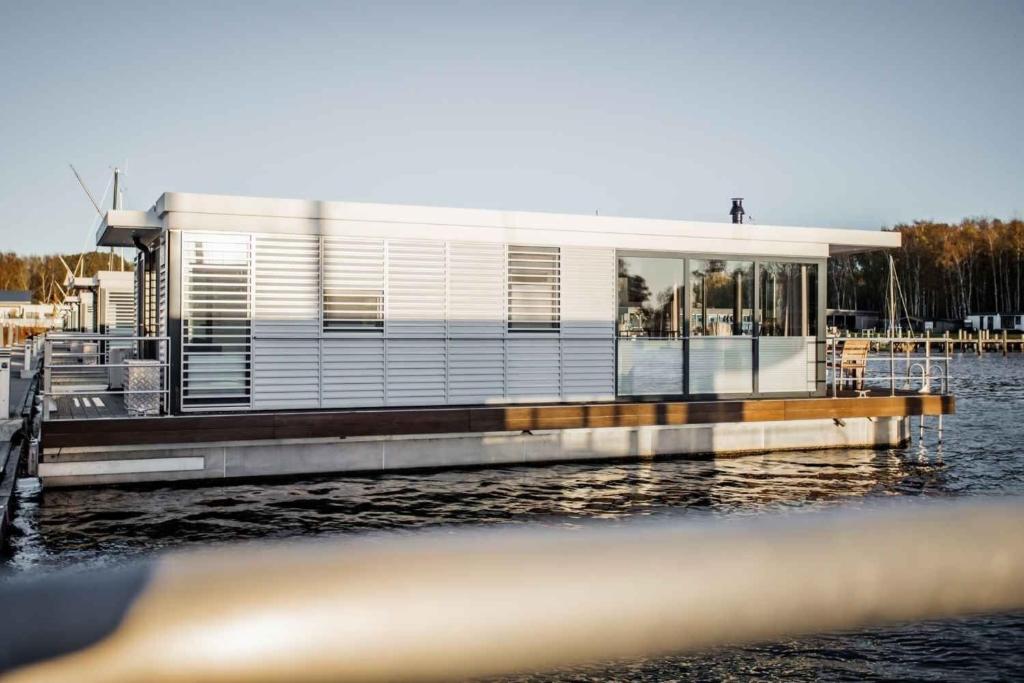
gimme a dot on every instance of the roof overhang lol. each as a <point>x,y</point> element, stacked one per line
<point>119,228</point>
<point>188,211</point>
<point>860,241</point>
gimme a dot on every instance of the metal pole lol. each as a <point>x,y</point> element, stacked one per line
<point>892,366</point>
<point>927,364</point>
<point>835,368</point>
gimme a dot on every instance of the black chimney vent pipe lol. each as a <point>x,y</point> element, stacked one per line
<point>737,210</point>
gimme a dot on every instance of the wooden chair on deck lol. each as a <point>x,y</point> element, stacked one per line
<point>853,362</point>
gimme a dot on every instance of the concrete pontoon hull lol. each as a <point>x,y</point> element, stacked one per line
<point>112,464</point>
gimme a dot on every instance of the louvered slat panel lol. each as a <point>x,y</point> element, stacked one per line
<point>353,287</point>
<point>416,371</point>
<point>476,370</point>
<point>588,292</point>
<point>216,321</point>
<point>721,365</point>
<point>415,322</point>
<point>120,311</point>
<point>416,289</point>
<point>476,290</point>
<point>588,327</point>
<point>286,368</point>
<point>534,368</point>
<point>286,373</point>
<point>287,295</point>
<point>352,372</point>
<point>588,369</point>
<point>534,289</point>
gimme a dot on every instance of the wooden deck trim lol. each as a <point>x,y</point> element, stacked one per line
<point>472,419</point>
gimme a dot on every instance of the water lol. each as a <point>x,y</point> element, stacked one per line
<point>982,455</point>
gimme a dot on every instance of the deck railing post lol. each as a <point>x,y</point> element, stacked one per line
<point>47,375</point>
<point>928,363</point>
<point>833,342</point>
<point>892,366</point>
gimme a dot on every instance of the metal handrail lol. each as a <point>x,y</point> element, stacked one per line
<point>892,359</point>
<point>53,350</point>
<point>448,605</point>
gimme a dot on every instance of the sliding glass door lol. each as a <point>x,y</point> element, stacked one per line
<point>705,326</point>
<point>721,326</point>
<point>787,337</point>
<point>649,326</point>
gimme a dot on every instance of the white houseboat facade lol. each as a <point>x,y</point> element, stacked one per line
<point>410,336</point>
<point>283,304</point>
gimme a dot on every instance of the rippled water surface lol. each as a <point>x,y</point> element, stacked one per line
<point>982,455</point>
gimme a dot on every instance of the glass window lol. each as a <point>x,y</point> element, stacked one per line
<point>650,296</point>
<point>722,295</point>
<point>812,299</point>
<point>789,297</point>
<point>534,289</point>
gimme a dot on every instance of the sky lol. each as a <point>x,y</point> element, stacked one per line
<point>833,114</point>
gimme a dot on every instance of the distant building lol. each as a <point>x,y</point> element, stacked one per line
<point>12,302</point>
<point>104,302</point>
<point>851,320</point>
<point>996,322</point>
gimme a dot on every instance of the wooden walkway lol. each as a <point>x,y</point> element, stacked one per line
<point>96,430</point>
<point>88,407</point>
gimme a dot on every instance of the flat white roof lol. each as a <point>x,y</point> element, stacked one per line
<point>185,211</point>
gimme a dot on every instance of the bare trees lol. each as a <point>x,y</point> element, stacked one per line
<point>42,274</point>
<point>946,270</point>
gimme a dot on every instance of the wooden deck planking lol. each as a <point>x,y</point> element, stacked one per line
<point>97,428</point>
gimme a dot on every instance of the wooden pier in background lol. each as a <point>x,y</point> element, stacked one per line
<point>962,341</point>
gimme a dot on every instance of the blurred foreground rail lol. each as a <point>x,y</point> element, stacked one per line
<point>450,604</point>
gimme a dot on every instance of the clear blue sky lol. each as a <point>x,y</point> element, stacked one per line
<point>850,114</point>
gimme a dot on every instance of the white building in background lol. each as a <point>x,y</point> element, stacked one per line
<point>996,322</point>
<point>13,302</point>
<point>275,304</point>
<point>103,303</point>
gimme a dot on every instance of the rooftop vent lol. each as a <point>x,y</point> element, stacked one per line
<point>737,210</point>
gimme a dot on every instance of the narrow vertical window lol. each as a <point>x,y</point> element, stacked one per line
<point>534,287</point>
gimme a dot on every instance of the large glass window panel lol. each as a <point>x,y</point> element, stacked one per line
<point>650,297</point>
<point>782,299</point>
<point>787,347</point>
<point>649,324</point>
<point>722,295</point>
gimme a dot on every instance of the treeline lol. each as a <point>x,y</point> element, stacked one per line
<point>42,275</point>
<point>945,271</point>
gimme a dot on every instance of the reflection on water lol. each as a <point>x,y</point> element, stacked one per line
<point>981,455</point>
<point>88,527</point>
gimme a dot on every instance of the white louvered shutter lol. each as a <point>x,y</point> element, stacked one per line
<point>286,327</point>
<point>415,327</point>
<point>588,324</point>
<point>352,350</point>
<point>476,322</point>
<point>216,321</point>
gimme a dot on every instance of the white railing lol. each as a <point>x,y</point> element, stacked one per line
<point>104,375</point>
<point>897,364</point>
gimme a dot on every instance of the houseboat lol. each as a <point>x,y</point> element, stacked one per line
<point>284,337</point>
<point>994,322</point>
